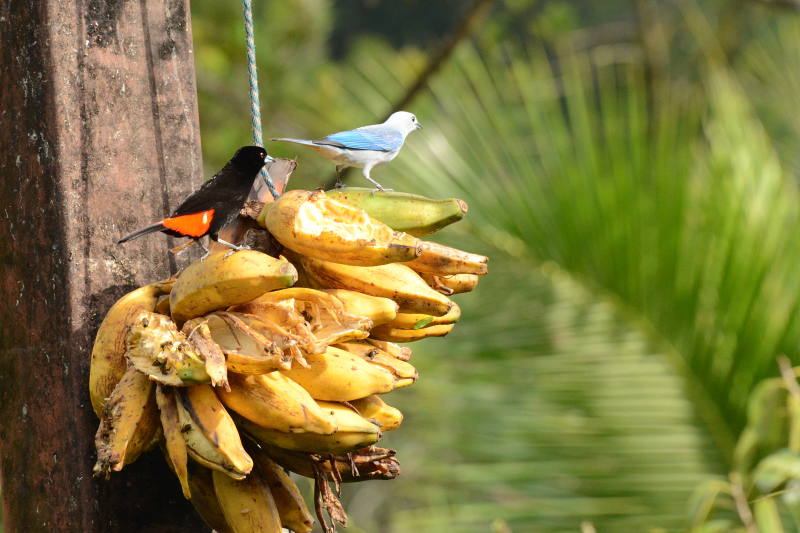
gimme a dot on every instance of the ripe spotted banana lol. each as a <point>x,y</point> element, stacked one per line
<point>219,282</point>
<point>395,281</point>
<point>403,372</point>
<point>374,407</point>
<point>108,353</point>
<point>175,445</point>
<point>210,434</point>
<point>354,432</point>
<point>413,214</point>
<point>388,333</point>
<point>291,506</point>
<point>379,310</point>
<point>128,423</point>
<point>312,224</point>
<point>417,321</point>
<point>247,504</point>
<point>445,261</point>
<point>452,284</point>
<point>395,350</point>
<point>338,376</point>
<point>276,402</point>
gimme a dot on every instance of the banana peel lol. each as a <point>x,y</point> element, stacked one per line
<point>313,224</point>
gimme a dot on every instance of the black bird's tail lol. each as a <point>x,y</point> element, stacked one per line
<point>152,228</point>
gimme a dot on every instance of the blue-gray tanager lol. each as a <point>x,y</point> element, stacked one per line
<point>367,147</point>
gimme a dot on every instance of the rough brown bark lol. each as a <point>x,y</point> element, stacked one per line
<point>99,134</point>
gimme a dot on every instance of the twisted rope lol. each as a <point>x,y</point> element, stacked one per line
<point>255,105</point>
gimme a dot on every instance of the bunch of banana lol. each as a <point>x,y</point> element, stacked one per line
<point>246,365</point>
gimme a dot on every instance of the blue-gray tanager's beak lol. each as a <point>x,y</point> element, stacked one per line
<point>419,126</point>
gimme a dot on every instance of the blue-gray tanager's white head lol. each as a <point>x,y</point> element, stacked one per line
<point>366,147</point>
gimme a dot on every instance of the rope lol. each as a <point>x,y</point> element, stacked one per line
<point>255,105</point>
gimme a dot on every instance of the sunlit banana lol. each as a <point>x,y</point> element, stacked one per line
<point>337,376</point>
<point>403,372</point>
<point>175,445</point>
<point>444,261</point>
<point>312,224</point>
<point>276,402</point>
<point>374,407</point>
<point>247,504</point>
<point>388,333</point>
<point>379,310</point>
<point>452,284</point>
<point>417,321</point>
<point>354,432</point>
<point>128,423</point>
<point>108,353</point>
<point>413,214</point>
<point>291,506</point>
<point>157,349</point>
<point>245,351</point>
<point>395,281</point>
<point>219,282</point>
<point>210,434</point>
<point>204,499</point>
<point>400,352</point>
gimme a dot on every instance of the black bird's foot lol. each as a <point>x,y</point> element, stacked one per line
<point>234,248</point>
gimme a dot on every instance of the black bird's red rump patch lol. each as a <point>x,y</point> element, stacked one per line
<point>194,225</point>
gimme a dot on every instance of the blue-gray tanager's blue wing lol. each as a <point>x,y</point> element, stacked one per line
<point>378,139</point>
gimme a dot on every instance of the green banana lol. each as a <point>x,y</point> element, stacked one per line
<point>410,213</point>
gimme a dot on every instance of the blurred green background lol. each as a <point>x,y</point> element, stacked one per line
<point>631,170</point>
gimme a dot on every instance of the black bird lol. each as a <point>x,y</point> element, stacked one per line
<point>215,204</point>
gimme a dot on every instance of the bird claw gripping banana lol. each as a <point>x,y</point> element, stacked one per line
<point>249,364</point>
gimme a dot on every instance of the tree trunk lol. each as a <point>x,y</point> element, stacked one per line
<point>99,135</point>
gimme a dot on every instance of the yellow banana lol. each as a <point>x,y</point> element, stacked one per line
<point>354,433</point>
<point>398,352</point>
<point>276,402</point>
<point>291,506</point>
<point>157,349</point>
<point>413,214</point>
<point>444,261</point>
<point>312,224</point>
<point>128,423</point>
<point>403,372</point>
<point>388,333</point>
<point>204,499</point>
<point>245,351</point>
<point>395,281</point>
<point>175,445</point>
<point>108,353</point>
<point>417,321</point>
<point>219,282</point>
<point>210,434</point>
<point>374,407</point>
<point>340,376</point>
<point>379,310</point>
<point>452,284</point>
<point>306,312</point>
<point>247,504</point>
